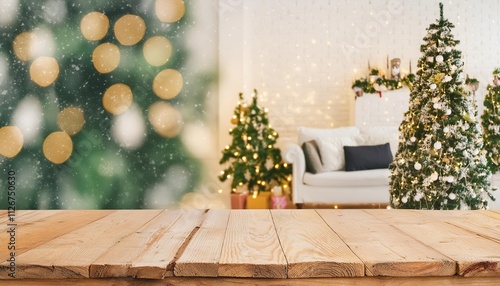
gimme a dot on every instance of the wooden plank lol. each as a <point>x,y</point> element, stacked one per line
<point>475,256</point>
<point>20,213</point>
<point>495,215</point>
<point>40,227</point>
<point>150,251</point>
<point>476,222</point>
<point>70,255</point>
<point>312,248</point>
<point>220,281</point>
<point>202,254</point>
<point>251,247</point>
<point>21,219</point>
<point>385,250</point>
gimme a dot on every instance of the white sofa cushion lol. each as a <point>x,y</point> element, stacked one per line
<point>365,178</point>
<point>332,152</point>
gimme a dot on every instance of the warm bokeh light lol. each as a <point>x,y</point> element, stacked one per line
<point>57,147</point>
<point>44,71</point>
<point>167,84</point>
<point>166,120</point>
<point>129,128</point>
<point>169,11</point>
<point>106,58</point>
<point>94,26</point>
<point>130,29</point>
<point>21,45</point>
<point>117,98</point>
<point>11,141</point>
<point>28,117</point>
<point>157,50</point>
<point>9,11</point>
<point>71,120</point>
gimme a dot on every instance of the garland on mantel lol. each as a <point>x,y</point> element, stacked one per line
<point>377,83</point>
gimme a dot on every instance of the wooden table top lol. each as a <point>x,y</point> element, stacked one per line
<point>445,247</point>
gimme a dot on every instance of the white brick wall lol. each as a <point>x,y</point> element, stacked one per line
<point>302,55</point>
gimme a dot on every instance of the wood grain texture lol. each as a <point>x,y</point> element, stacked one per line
<point>202,254</point>
<point>227,281</point>
<point>311,247</point>
<point>51,225</point>
<point>474,255</point>
<point>70,255</point>
<point>251,247</point>
<point>149,252</point>
<point>474,222</point>
<point>385,250</point>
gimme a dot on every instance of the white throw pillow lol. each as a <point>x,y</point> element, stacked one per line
<point>381,135</point>
<point>332,152</point>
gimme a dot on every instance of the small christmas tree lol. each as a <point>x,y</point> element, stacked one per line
<point>255,162</point>
<point>491,123</point>
<point>440,163</point>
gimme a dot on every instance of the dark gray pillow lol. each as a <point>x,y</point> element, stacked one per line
<point>313,159</point>
<point>367,157</point>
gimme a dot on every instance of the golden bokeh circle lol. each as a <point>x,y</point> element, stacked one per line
<point>169,11</point>
<point>94,26</point>
<point>165,119</point>
<point>130,29</point>
<point>106,57</point>
<point>44,71</point>
<point>21,45</point>
<point>57,147</point>
<point>117,98</point>
<point>167,83</point>
<point>71,120</point>
<point>157,50</point>
<point>11,141</point>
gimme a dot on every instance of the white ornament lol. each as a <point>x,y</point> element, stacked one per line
<point>437,145</point>
<point>430,59</point>
<point>417,166</point>
<point>437,105</point>
<point>433,86</point>
<point>475,152</point>
<point>446,130</point>
<point>448,111</point>
<point>452,196</point>
<point>404,200</point>
<point>413,139</point>
<point>447,78</point>
<point>439,58</point>
<point>434,176</point>
<point>450,179</point>
<point>448,49</point>
<point>417,197</point>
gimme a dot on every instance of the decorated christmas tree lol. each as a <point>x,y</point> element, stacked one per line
<point>255,163</point>
<point>440,163</point>
<point>491,123</point>
<point>96,89</point>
